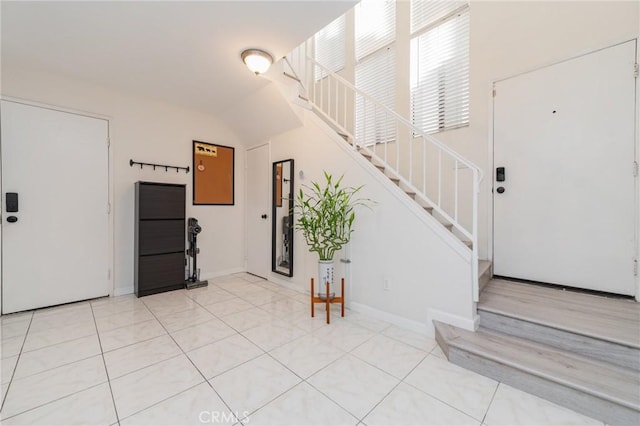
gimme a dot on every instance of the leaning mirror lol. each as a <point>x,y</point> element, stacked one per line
<point>282,225</point>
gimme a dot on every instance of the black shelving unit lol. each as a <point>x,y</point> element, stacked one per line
<point>159,237</point>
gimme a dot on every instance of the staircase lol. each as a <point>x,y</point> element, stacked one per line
<point>442,182</point>
<point>577,350</point>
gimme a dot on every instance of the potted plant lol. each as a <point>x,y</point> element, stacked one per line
<point>325,215</point>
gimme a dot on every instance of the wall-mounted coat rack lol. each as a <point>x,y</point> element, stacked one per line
<point>166,167</point>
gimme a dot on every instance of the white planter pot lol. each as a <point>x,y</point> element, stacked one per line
<point>325,274</point>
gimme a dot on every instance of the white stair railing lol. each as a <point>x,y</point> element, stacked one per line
<point>422,164</point>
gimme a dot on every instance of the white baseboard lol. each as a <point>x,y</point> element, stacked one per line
<point>218,274</point>
<point>287,284</point>
<point>397,320</point>
<point>470,324</point>
<point>121,291</point>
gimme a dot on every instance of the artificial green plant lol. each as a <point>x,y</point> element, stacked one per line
<point>325,215</point>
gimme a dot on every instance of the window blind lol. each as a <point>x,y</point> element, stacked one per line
<point>427,12</point>
<point>375,26</point>
<point>330,47</point>
<point>375,76</point>
<point>440,75</point>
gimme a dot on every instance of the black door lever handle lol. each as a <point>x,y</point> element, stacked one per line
<point>264,216</point>
<point>12,219</point>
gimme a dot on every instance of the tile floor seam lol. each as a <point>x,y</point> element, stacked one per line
<point>161,401</point>
<point>134,343</point>
<point>409,344</point>
<point>269,402</point>
<point>121,326</point>
<point>148,365</point>
<point>220,317</point>
<point>57,343</point>
<point>54,400</point>
<point>15,367</point>
<point>57,366</point>
<point>202,306</point>
<point>490,402</point>
<point>276,347</point>
<point>224,402</point>
<point>386,372</point>
<point>440,400</point>
<point>113,313</point>
<point>345,353</point>
<point>106,370</point>
<point>193,363</point>
<point>331,399</point>
<point>205,344</point>
<point>237,365</point>
<point>401,381</point>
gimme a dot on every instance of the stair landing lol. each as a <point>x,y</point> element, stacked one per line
<point>611,319</point>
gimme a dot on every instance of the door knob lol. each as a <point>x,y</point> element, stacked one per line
<point>12,219</point>
<point>264,216</point>
<point>500,190</point>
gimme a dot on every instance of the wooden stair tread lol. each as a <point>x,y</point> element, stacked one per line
<point>624,307</point>
<point>447,225</point>
<point>612,320</point>
<point>615,384</point>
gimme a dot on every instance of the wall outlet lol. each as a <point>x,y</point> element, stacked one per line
<point>385,285</point>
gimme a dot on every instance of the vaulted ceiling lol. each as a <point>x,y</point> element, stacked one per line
<point>183,52</point>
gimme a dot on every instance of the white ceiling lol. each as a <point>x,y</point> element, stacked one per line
<point>186,53</point>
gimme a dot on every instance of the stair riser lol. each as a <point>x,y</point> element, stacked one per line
<point>485,278</point>
<point>587,404</point>
<point>613,353</point>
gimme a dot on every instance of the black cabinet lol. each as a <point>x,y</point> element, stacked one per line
<point>159,237</point>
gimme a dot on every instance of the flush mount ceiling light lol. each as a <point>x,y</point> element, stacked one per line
<point>258,61</point>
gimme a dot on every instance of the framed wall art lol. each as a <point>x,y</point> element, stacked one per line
<point>213,174</point>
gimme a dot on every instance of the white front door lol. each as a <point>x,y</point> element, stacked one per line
<point>258,211</point>
<point>564,213</point>
<point>57,250</point>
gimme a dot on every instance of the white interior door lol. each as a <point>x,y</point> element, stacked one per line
<point>57,250</point>
<point>565,136</point>
<point>258,211</point>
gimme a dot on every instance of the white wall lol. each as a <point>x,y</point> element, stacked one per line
<point>149,131</point>
<point>506,38</point>
<point>510,37</point>
<point>392,242</point>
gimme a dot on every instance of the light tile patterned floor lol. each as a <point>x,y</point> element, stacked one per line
<point>242,351</point>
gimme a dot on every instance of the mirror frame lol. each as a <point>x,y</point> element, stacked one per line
<point>274,217</point>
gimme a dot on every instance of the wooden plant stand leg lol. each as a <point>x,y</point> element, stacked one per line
<point>312,300</point>
<point>328,305</point>
<point>327,301</point>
